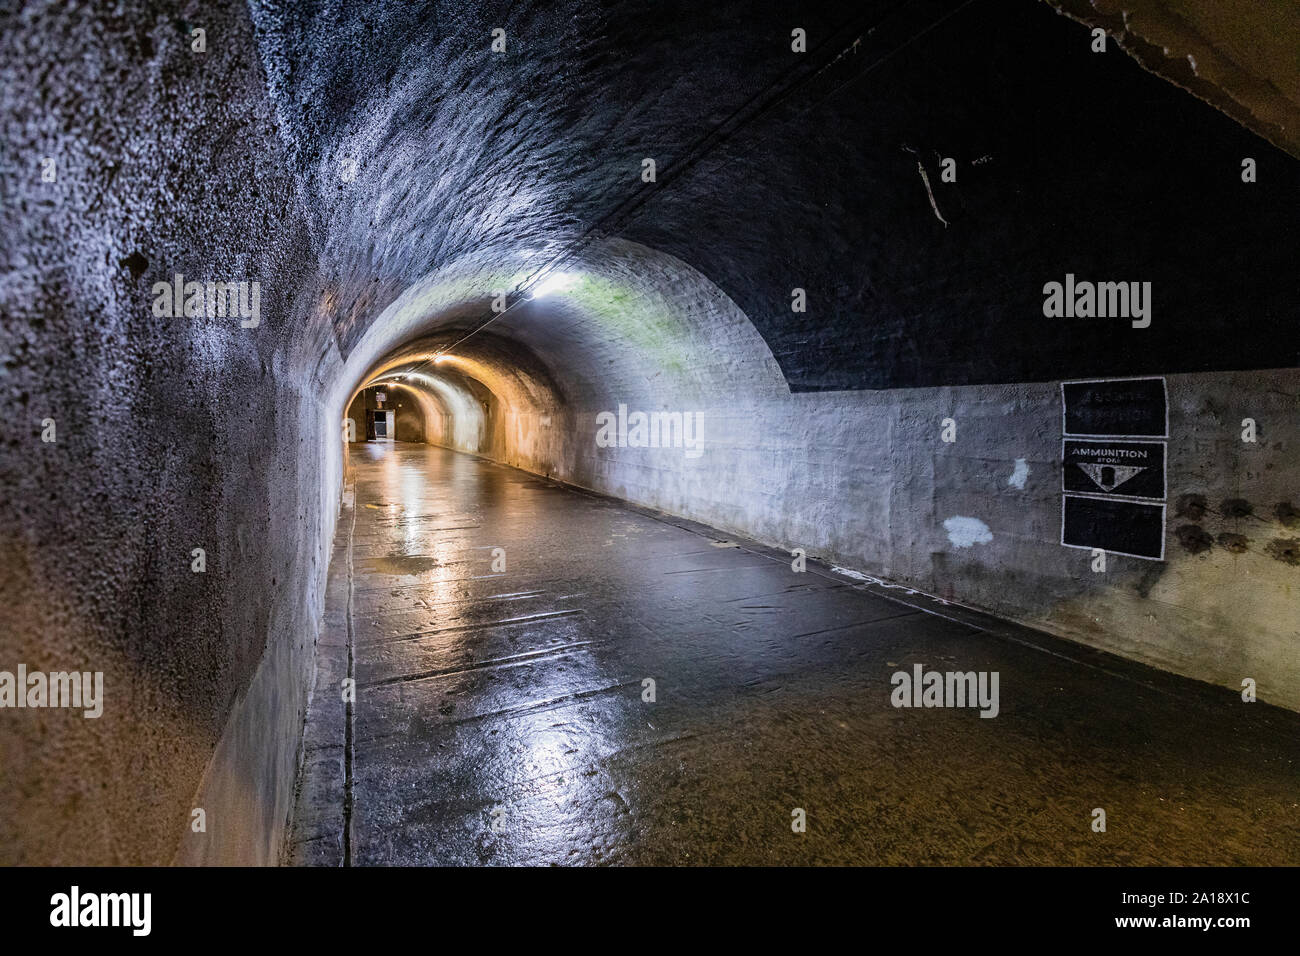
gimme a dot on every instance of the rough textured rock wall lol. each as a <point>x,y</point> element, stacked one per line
<point>172,433</point>
<point>1238,55</point>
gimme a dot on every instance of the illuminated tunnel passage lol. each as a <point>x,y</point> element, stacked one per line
<point>547,676</point>
<point>992,301</point>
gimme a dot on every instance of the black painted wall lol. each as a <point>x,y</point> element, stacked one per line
<point>1067,161</point>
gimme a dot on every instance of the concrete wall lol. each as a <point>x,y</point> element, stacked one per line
<point>863,480</point>
<point>172,434</point>
<point>408,422</point>
<point>1238,55</point>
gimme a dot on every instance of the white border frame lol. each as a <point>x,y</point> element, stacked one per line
<point>1164,530</point>
<point>1164,469</point>
<point>1164,385</point>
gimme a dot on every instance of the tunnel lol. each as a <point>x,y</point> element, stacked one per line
<point>653,434</point>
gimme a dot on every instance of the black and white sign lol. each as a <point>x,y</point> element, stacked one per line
<point>1126,407</point>
<point>1127,469</point>
<point>1113,482</point>
<point>1132,528</point>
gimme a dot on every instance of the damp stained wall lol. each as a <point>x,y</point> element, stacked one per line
<point>173,433</point>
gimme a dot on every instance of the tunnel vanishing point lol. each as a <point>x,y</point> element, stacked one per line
<point>650,433</point>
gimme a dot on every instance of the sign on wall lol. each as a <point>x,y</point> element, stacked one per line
<point>1118,408</point>
<point>1112,481</point>
<point>1115,526</point>
<point>1129,469</point>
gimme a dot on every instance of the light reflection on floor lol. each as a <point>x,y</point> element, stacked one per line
<point>500,717</point>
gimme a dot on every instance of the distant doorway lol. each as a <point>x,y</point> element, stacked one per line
<point>379,424</point>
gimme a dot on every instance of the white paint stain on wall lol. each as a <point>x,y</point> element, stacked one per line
<point>1019,474</point>
<point>965,532</point>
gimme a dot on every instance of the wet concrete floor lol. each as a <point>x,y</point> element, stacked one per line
<point>500,716</point>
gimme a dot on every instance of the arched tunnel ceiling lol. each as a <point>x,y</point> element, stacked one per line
<point>419,147</point>
<point>629,323</point>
